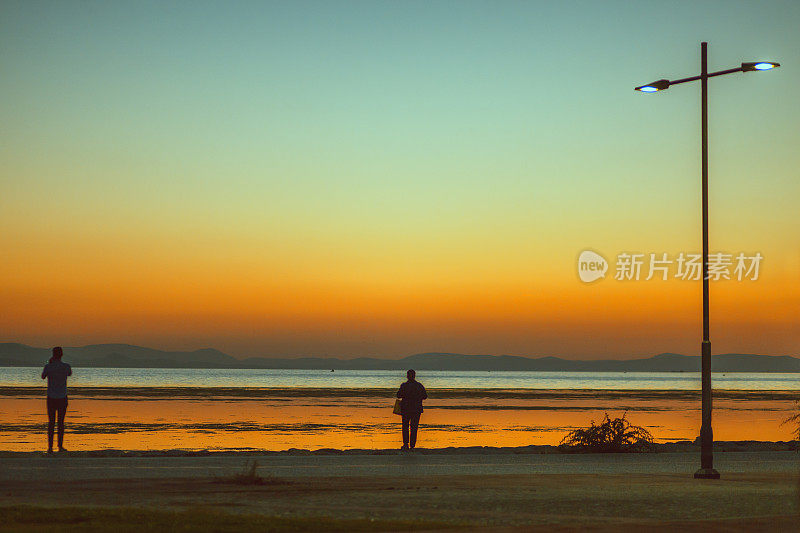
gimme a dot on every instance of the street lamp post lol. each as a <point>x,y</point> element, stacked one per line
<point>707,470</point>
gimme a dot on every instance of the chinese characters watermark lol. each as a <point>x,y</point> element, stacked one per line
<point>661,266</point>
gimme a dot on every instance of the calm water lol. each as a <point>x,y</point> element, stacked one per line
<point>171,377</point>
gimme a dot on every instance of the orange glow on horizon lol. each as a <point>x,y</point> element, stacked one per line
<point>503,317</point>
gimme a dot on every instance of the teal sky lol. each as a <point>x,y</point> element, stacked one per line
<point>328,142</point>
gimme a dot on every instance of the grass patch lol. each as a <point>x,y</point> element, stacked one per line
<point>36,519</point>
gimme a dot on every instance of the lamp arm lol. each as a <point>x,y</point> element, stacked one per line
<point>710,75</point>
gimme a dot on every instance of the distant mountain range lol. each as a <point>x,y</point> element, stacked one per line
<point>128,356</point>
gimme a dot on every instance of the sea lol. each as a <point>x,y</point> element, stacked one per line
<point>378,379</point>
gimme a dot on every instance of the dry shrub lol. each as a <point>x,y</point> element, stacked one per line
<point>611,436</point>
<point>795,419</point>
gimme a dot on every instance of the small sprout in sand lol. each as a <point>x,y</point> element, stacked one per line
<point>612,436</point>
<point>248,476</point>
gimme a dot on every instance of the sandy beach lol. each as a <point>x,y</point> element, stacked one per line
<point>466,489</point>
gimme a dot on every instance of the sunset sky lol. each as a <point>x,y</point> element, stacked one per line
<point>386,178</point>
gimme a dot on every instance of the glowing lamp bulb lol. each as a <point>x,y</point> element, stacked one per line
<point>759,65</point>
<point>659,85</point>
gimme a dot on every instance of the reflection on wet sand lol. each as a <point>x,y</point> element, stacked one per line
<point>279,419</point>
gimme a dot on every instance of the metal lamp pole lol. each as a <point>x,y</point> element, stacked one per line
<point>707,470</point>
<point>706,433</point>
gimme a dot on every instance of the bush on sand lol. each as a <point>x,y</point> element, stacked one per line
<point>611,436</point>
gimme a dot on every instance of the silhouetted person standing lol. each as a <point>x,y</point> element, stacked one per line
<point>411,394</point>
<point>56,371</point>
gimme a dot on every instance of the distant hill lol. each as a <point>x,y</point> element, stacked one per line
<point>128,356</point>
<point>117,356</point>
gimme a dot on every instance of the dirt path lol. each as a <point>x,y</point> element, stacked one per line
<point>747,500</point>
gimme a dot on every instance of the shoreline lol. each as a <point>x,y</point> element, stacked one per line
<point>683,446</point>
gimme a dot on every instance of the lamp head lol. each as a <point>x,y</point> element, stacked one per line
<point>659,85</point>
<point>759,65</point>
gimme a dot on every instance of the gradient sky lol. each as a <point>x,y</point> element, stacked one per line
<point>386,178</point>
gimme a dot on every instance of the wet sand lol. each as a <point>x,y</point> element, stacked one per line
<point>758,490</point>
<point>163,418</point>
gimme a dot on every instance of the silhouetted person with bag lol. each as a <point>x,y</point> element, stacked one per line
<point>411,394</point>
<point>56,371</point>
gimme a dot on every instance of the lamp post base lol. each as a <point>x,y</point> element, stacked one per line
<point>706,473</point>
